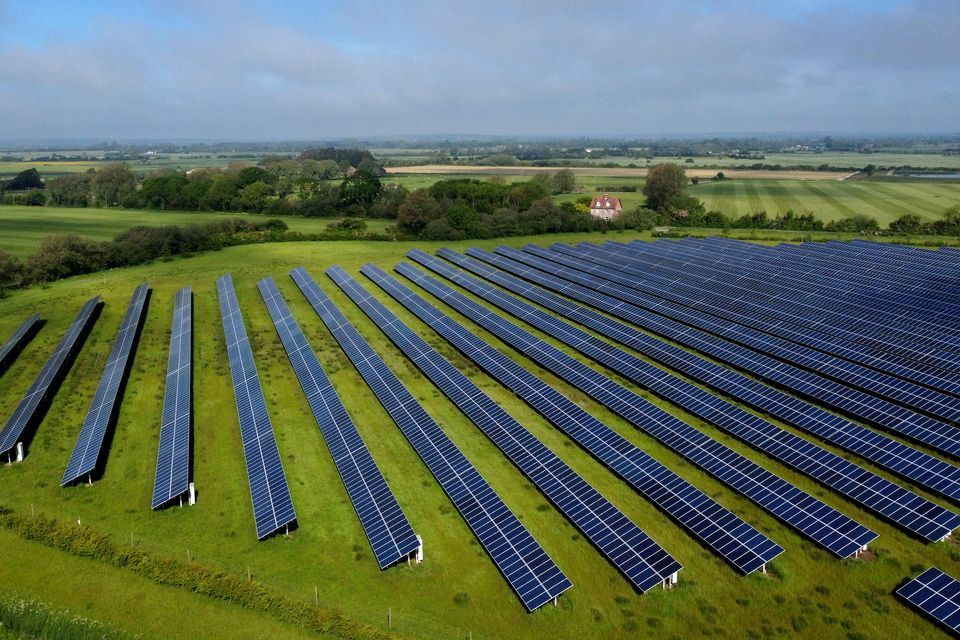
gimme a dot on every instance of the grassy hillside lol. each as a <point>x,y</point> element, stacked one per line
<point>21,228</point>
<point>457,589</point>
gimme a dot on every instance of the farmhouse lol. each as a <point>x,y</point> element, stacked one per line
<point>605,207</point>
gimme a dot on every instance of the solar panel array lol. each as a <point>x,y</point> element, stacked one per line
<point>727,534</point>
<point>777,307</point>
<point>383,521</point>
<point>916,514</point>
<point>528,569</point>
<point>173,458</point>
<point>869,369</point>
<point>89,447</point>
<point>16,341</point>
<point>936,594</point>
<point>272,504</point>
<point>872,408</point>
<point>835,531</point>
<point>28,408</point>
<point>644,562</point>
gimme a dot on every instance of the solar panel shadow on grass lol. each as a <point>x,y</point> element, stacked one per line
<point>386,526</point>
<point>31,407</point>
<point>269,492</point>
<point>89,449</point>
<point>821,523</point>
<point>17,340</point>
<point>528,569</point>
<point>644,562</point>
<point>172,479</point>
<point>727,534</point>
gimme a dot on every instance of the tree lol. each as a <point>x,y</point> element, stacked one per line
<point>362,188</point>
<point>907,223</point>
<point>112,184</point>
<point>29,179</point>
<point>348,226</point>
<point>62,256</point>
<point>564,181</point>
<point>665,183</point>
<point>417,211</point>
<point>71,190</point>
<point>11,272</point>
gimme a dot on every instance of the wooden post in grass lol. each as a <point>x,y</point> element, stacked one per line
<point>249,577</point>
<point>316,595</point>
<point>389,618</point>
<point>188,556</point>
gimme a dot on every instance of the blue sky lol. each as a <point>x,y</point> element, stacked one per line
<point>248,70</point>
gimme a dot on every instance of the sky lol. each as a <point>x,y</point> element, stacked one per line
<point>311,70</point>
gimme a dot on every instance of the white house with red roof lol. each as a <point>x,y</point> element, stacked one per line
<point>605,207</point>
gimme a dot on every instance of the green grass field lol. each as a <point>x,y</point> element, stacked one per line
<point>884,201</point>
<point>457,590</point>
<point>21,228</point>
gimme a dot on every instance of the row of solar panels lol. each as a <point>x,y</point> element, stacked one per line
<point>532,574</point>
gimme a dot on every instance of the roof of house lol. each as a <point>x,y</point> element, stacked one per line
<point>605,202</point>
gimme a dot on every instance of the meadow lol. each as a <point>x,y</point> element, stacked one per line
<point>457,592</point>
<point>805,158</point>
<point>22,228</point>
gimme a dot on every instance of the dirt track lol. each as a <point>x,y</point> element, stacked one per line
<point>619,172</point>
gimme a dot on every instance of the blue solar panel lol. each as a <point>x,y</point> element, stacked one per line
<point>29,410</point>
<point>269,492</point>
<point>16,341</point>
<point>937,594</point>
<point>729,536</point>
<point>762,310</point>
<point>870,408</point>
<point>383,521</point>
<point>835,531</point>
<point>173,457</point>
<point>528,569</point>
<point>829,296</point>
<point>644,562</point>
<point>786,343</point>
<point>801,295</point>
<point>909,510</point>
<point>89,448</point>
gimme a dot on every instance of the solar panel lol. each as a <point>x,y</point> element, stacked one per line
<point>383,521</point>
<point>173,457</point>
<point>909,510</point>
<point>937,594</point>
<point>526,566</point>
<point>810,350</point>
<point>728,535</point>
<point>89,448</point>
<point>644,562</point>
<point>760,304</point>
<point>16,342</point>
<point>269,493</point>
<point>871,408</point>
<point>30,408</point>
<point>818,521</point>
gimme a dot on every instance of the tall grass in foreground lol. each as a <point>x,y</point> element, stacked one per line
<point>33,619</point>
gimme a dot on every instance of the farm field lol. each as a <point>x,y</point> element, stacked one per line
<point>607,172</point>
<point>22,228</point>
<point>178,162</point>
<point>885,201</point>
<point>832,158</point>
<point>457,590</point>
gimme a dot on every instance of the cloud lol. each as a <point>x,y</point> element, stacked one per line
<point>244,70</point>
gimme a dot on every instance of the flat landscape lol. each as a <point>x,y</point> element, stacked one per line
<point>22,228</point>
<point>455,592</point>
